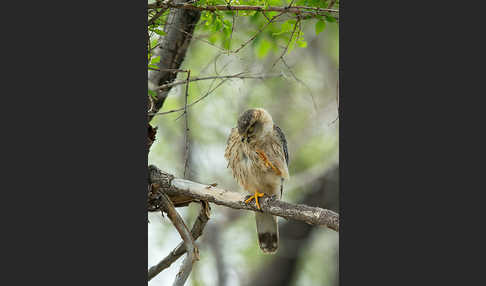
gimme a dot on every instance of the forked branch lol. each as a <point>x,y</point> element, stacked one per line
<point>191,249</point>
<point>196,232</point>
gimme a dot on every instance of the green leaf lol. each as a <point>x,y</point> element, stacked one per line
<point>152,93</point>
<point>286,27</point>
<point>227,28</point>
<point>263,48</point>
<point>266,4</point>
<point>330,19</point>
<point>155,60</point>
<point>302,43</point>
<point>218,24</point>
<point>226,44</point>
<point>227,31</point>
<point>160,32</point>
<point>214,37</point>
<point>272,14</point>
<point>254,16</point>
<point>320,25</point>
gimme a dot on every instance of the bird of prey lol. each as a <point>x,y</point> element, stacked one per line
<point>257,153</point>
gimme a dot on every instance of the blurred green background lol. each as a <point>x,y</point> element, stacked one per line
<point>303,102</point>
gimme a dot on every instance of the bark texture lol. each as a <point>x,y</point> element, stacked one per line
<point>172,186</point>
<point>172,50</point>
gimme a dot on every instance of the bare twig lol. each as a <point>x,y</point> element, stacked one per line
<point>240,75</point>
<point>186,131</point>
<point>235,200</point>
<point>290,5</point>
<point>302,83</point>
<point>286,9</point>
<point>331,3</point>
<point>197,230</point>
<point>154,47</point>
<point>156,16</point>
<point>192,252</point>
<point>288,44</point>
<point>265,15</point>
<point>232,30</point>
<point>198,38</point>
<point>200,98</point>
<point>173,70</point>
<point>148,49</point>
<point>257,33</point>
<point>337,102</point>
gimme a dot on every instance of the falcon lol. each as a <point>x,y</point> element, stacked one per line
<point>256,151</point>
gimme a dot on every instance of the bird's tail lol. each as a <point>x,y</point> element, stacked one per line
<point>267,229</point>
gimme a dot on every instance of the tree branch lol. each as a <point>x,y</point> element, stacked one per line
<point>295,238</point>
<point>196,232</point>
<point>195,101</point>
<point>293,10</point>
<point>186,124</point>
<point>192,252</point>
<point>173,186</point>
<point>156,16</point>
<point>239,75</point>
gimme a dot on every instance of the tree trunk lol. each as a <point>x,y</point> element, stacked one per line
<point>172,50</point>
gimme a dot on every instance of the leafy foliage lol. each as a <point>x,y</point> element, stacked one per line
<point>269,31</point>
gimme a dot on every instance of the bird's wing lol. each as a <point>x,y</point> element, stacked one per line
<point>283,141</point>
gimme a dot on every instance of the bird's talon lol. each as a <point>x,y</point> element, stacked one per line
<point>255,197</point>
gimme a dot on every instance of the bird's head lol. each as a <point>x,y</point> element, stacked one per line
<point>254,124</point>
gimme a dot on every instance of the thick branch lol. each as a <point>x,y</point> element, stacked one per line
<point>311,215</point>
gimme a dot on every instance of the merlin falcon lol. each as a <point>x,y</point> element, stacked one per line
<point>257,153</point>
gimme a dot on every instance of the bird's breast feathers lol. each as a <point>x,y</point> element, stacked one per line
<point>256,164</point>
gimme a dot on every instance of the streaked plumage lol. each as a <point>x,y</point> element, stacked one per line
<point>256,133</point>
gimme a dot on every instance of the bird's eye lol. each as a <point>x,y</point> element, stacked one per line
<point>250,130</point>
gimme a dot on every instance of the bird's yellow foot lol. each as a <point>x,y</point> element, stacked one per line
<point>255,196</point>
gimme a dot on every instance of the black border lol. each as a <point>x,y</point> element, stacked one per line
<point>75,181</point>
<point>408,137</point>
<point>74,126</point>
